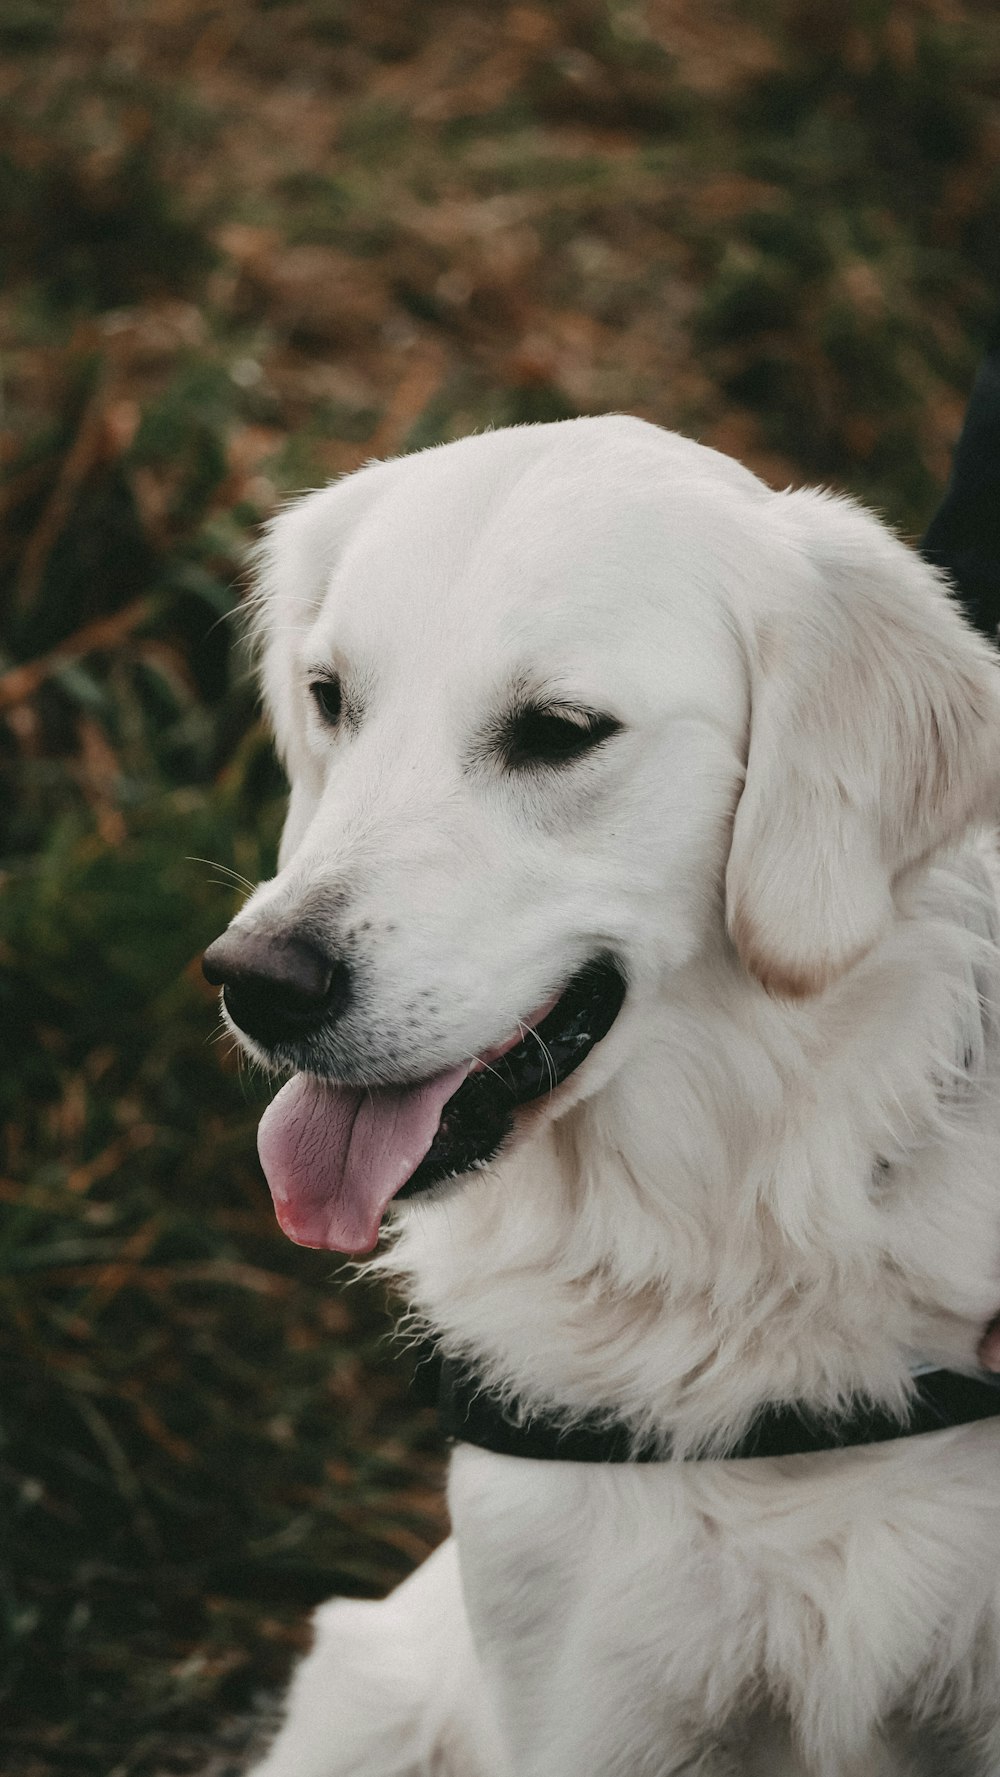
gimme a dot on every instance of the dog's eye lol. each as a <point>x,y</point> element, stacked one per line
<point>327,698</point>
<point>554,737</point>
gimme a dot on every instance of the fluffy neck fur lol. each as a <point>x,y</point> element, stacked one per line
<point>768,1202</point>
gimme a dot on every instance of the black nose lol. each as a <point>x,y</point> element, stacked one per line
<point>276,986</point>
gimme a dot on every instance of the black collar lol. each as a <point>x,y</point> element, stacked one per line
<point>472,1413</point>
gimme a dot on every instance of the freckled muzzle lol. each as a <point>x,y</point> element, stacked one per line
<point>477,1121</point>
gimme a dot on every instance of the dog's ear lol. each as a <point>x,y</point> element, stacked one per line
<point>874,739</point>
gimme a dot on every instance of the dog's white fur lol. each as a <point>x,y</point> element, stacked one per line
<point>777,1177</point>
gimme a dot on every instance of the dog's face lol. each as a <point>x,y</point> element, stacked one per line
<point>512,682</point>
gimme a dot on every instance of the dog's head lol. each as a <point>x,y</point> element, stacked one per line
<point>522,685</point>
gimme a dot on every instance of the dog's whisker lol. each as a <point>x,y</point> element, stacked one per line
<point>485,1067</point>
<point>234,875</point>
<point>528,1030</point>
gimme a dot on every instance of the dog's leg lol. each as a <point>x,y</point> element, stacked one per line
<point>390,1689</point>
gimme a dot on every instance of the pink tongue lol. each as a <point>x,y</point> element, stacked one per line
<point>335,1156</point>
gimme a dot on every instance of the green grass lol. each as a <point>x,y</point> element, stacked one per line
<point>240,253</point>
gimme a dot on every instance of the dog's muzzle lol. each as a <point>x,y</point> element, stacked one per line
<point>336,1154</point>
<point>277,988</point>
<point>477,1121</point>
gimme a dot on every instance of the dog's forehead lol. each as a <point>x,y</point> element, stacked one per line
<point>511,552</point>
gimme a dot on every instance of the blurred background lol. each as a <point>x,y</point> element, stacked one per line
<point>246,245</point>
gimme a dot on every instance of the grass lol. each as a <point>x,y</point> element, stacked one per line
<point>243,251</point>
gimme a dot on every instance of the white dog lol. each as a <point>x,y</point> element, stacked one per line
<point>588,730</point>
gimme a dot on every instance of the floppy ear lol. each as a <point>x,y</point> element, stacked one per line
<point>874,740</point>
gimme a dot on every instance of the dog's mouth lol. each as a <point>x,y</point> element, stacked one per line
<point>336,1156</point>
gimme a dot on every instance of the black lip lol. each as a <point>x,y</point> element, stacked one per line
<point>477,1121</point>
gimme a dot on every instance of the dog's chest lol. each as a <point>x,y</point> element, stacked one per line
<point>636,1596</point>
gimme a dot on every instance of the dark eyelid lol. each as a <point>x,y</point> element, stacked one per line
<point>552,735</point>
<point>327,695</point>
